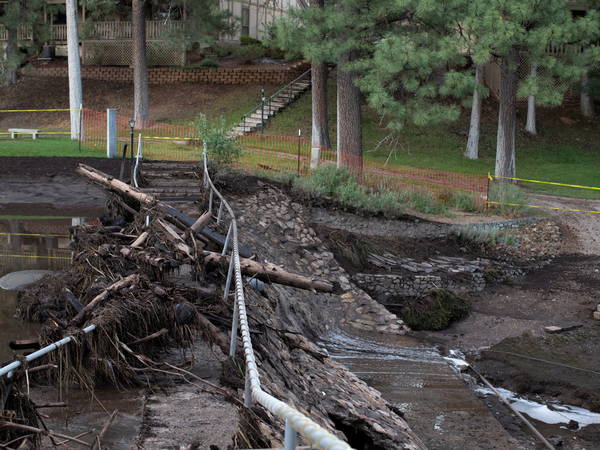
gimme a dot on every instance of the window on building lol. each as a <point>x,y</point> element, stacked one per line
<point>245,21</point>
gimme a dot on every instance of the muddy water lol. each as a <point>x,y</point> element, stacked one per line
<point>436,402</point>
<point>28,242</point>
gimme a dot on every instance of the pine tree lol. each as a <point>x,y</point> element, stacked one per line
<point>417,65</point>
<point>521,30</point>
<point>16,15</point>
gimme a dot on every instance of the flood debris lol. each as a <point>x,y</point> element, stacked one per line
<point>121,281</point>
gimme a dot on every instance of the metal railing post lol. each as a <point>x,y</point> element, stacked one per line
<point>227,239</point>
<point>234,331</point>
<point>210,201</point>
<point>219,213</point>
<point>228,282</point>
<point>262,110</point>
<point>290,437</point>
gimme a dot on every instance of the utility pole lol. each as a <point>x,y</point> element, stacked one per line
<point>75,92</point>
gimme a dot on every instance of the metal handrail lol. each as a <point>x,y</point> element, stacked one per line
<point>295,422</point>
<point>267,100</point>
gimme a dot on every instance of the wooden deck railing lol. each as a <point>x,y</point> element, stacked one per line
<point>155,29</point>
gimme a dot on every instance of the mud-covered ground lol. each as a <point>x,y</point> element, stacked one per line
<point>503,334</point>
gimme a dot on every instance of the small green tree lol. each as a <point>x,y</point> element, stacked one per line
<point>221,146</point>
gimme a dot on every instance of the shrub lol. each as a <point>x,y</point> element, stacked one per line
<point>208,63</point>
<point>248,53</point>
<point>462,201</point>
<point>222,148</point>
<point>508,195</point>
<point>326,179</point>
<point>484,235</point>
<point>247,40</point>
<point>434,311</point>
<point>221,50</point>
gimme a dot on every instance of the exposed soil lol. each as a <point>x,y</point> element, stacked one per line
<point>51,183</point>
<point>168,102</point>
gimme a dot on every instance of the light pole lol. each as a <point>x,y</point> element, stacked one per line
<point>131,126</point>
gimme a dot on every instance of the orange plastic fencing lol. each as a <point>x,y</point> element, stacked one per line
<point>293,154</point>
<point>283,154</point>
<point>161,141</point>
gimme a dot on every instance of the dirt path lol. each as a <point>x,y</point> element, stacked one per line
<point>582,230</point>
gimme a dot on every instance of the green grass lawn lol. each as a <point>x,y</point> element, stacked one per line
<point>45,147</point>
<point>560,153</point>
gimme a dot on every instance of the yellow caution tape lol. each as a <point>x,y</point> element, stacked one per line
<point>39,132</point>
<point>33,256</point>
<point>37,110</point>
<point>544,207</point>
<point>545,182</point>
<point>34,234</point>
<point>171,138</point>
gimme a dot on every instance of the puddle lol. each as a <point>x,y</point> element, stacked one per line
<point>30,241</point>
<point>85,413</point>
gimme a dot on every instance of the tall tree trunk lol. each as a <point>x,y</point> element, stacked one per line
<point>349,118</point>
<point>320,121</point>
<point>531,126</point>
<point>507,117</point>
<point>75,90</point>
<point>587,104</point>
<point>11,63</point>
<point>140,67</point>
<point>472,151</point>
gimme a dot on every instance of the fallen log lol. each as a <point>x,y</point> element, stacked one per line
<point>176,239</point>
<point>140,240</point>
<point>125,190</point>
<point>124,282</point>
<point>271,273</point>
<point>138,256</point>
<point>201,222</point>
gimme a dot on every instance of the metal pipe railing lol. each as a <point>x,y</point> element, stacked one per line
<point>295,421</point>
<point>7,370</point>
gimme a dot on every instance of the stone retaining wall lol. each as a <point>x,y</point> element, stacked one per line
<point>167,75</point>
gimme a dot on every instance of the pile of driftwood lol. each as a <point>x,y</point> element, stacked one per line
<point>120,281</point>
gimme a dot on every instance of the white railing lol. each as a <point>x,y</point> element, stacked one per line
<point>295,422</point>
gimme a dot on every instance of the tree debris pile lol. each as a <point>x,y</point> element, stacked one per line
<point>131,300</point>
<point>120,283</point>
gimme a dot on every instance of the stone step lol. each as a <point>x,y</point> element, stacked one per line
<point>168,182</point>
<point>182,191</point>
<point>171,166</point>
<point>170,174</point>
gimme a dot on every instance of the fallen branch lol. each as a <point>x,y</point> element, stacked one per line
<point>140,240</point>
<point>201,221</point>
<point>159,333</point>
<point>270,273</point>
<point>127,281</point>
<point>176,239</point>
<point>48,433</point>
<point>107,424</point>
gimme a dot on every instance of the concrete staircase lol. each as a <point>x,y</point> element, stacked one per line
<point>172,180</point>
<point>256,119</point>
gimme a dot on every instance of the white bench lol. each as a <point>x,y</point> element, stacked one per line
<point>15,131</point>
